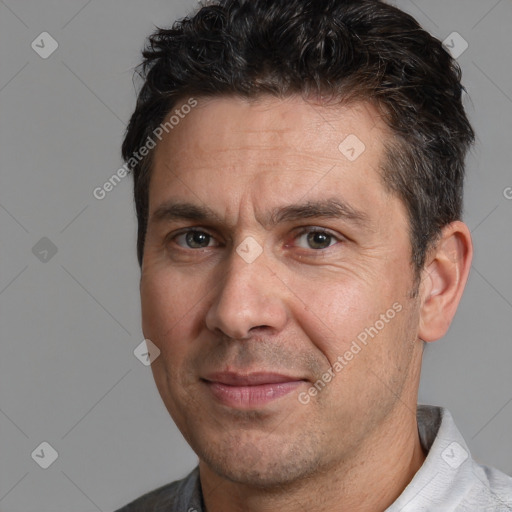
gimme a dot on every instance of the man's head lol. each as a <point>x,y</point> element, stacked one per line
<point>298,229</point>
<point>336,50</point>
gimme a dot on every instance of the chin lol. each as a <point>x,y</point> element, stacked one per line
<point>263,464</point>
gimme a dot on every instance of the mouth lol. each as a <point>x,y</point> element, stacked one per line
<point>249,391</point>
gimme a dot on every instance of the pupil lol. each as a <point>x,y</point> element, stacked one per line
<point>197,239</point>
<point>318,239</point>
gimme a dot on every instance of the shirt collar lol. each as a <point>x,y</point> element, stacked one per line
<point>448,470</point>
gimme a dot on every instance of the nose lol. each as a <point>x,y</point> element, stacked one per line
<point>248,298</point>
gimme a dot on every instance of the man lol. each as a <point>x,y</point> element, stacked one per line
<point>298,170</point>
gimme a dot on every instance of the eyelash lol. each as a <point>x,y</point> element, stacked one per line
<point>302,232</point>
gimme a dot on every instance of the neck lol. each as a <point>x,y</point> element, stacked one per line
<point>369,480</point>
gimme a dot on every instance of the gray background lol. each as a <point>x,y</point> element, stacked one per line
<point>70,324</point>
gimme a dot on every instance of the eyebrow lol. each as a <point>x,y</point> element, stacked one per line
<point>327,208</point>
<point>332,208</point>
<point>181,211</point>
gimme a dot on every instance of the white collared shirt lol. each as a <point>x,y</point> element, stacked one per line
<point>448,481</point>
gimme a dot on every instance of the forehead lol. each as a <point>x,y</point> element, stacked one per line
<point>221,124</point>
<point>281,149</point>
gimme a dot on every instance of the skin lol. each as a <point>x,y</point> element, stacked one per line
<point>294,309</point>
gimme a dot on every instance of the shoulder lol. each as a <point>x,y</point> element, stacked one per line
<point>450,479</point>
<point>478,486</point>
<point>490,490</point>
<point>181,495</point>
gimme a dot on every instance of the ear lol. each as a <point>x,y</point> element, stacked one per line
<point>443,280</point>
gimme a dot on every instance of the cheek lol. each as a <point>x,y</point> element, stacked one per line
<point>156,308</point>
<point>332,314</point>
<point>169,307</point>
<point>338,313</point>
<point>171,320</point>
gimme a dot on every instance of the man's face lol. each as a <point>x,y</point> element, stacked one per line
<point>270,256</point>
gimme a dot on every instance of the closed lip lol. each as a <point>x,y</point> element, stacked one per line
<point>250,379</point>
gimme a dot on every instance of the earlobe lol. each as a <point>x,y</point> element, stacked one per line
<point>443,281</point>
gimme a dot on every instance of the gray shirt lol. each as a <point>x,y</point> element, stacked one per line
<point>448,481</point>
